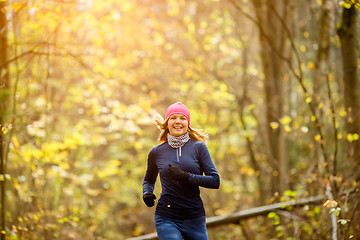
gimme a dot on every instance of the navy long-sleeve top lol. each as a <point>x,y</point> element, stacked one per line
<point>181,200</point>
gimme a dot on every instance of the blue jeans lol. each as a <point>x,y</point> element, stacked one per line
<point>175,229</point>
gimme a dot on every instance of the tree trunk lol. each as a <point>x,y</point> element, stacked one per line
<point>322,54</point>
<point>348,39</point>
<point>272,41</point>
<point>320,75</point>
<point>4,101</point>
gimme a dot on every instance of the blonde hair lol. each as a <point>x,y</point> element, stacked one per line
<point>194,134</point>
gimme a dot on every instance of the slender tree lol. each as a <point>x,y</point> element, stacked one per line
<point>4,101</point>
<point>320,73</point>
<point>273,48</point>
<point>348,37</point>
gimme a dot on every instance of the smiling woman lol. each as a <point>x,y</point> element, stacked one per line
<point>180,212</point>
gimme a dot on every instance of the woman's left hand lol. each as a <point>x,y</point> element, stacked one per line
<point>176,173</point>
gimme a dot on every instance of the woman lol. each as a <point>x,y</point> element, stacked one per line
<point>181,160</point>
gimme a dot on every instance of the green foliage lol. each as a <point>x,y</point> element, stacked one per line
<point>275,217</point>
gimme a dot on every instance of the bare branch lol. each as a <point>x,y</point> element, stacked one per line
<point>262,31</point>
<point>16,58</point>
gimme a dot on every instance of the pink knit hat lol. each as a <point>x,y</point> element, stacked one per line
<point>178,108</point>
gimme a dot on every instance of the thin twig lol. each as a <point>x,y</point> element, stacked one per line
<point>351,218</point>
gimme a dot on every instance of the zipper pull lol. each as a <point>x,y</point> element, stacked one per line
<point>180,151</point>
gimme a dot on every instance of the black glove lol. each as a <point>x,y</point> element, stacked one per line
<point>149,199</point>
<point>176,173</point>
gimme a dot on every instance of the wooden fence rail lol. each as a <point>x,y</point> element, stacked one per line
<point>249,213</point>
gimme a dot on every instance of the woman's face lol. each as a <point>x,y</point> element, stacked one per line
<point>177,125</point>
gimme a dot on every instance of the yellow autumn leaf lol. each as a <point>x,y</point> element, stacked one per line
<point>354,184</point>
<point>28,154</point>
<point>187,19</point>
<point>188,73</point>
<point>287,128</point>
<point>302,66</point>
<point>115,162</point>
<point>349,137</point>
<point>274,125</point>
<point>342,113</point>
<point>4,130</point>
<point>136,232</point>
<point>356,136</point>
<point>310,65</point>
<point>347,5</point>
<point>317,137</point>
<point>285,120</point>
<point>191,28</point>
<point>243,169</point>
<point>203,24</point>
<point>250,172</point>
<point>340,136</point>
<point>321,106</point>
<point>352,137</point>
<point>308,99</point>
<point>330,203</point>
<point>15,142</point>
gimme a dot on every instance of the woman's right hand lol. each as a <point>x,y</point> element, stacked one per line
<point>149,199</point>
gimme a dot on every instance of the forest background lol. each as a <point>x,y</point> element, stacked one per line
<point>274,83</point>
